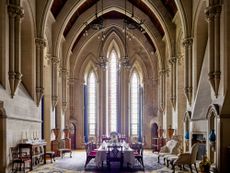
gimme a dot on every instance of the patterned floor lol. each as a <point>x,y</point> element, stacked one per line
<point>76,164</point>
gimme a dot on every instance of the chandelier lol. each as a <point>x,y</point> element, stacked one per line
<point>97,24</point>
<point>124,61</point>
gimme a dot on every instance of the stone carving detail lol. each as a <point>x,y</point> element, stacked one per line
<point>187,43</point>
<point>16,13</point>
<point>213,18</point>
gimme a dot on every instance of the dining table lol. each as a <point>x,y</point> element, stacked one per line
<point>128,155</point>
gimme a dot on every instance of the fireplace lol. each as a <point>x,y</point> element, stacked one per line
<point>199,138</point>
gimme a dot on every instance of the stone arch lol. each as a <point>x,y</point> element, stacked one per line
<point>28,50</point>
<point>200,33</point>
<point>187,121</point>
<point>73,133</point>
<point>139,65</point>
<point>78,28</point>
<point>212,114</point>
<point>88,64</point>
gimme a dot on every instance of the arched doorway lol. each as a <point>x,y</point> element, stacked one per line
<point>73,135</point>
<point>154,134</point>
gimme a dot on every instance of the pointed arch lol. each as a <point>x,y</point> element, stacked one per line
<point>28,50</point>
<point>136,105</point>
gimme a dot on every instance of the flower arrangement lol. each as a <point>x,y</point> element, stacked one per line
<point>205,164</point>
<point>114,137</point>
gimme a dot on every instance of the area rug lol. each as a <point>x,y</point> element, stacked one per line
<point>76,164</point>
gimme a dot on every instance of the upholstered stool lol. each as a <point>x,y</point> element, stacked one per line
<point>65,150</point>
<point>51,155</point>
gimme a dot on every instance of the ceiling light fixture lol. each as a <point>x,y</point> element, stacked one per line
<point>124,61</point>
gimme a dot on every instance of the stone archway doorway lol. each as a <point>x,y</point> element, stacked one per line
<point>73,136</point>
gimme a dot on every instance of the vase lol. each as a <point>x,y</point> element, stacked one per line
<point>66,133</point>
<point>212,136</point>
<point>170,132</point>
<point>56,132</point>
<point>187,135</point>
<point>160,132</point>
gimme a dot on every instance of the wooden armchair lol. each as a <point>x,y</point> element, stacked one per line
<point>19,159</point>
<point>115,154</point>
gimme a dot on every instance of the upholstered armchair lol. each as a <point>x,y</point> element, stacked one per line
<point>186,158</point>
<point>171,148</point>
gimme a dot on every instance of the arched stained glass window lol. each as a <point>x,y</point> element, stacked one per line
<point>91,104</point>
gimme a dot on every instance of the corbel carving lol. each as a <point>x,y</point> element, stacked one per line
<point>187,43</point>
<point>16,13</point>
<point>213,18</point>
<point>40,45</point>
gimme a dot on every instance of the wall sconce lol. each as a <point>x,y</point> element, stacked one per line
<point>212,139</point>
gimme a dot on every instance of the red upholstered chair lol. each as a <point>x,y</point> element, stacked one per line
<point>91,151</point>
<point>19,159</point>
<point>138,152</point>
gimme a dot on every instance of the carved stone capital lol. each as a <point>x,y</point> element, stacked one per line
<point>173,60</point>
<point>212,11</point>
<point>18,75</point>
<point>40,42</point>
<point>71,81</point>
<point>54,101</point>
<point>64,106</point>
<point>11,75</point>
<point>15,11</point>
<point>39,94</point>
<point>164,72</point>
<point>187,42</point>
<point>55,60</point>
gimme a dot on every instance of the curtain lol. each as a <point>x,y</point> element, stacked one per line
<point>86,113</point>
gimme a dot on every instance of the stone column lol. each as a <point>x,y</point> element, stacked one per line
<point>64,88</point>
<point>188,68</point>
<point>213,18</point>
<point>173,62</point>
<point>15,15</point>
<point>55,62</point>
<point>162,74</point>
<point>40,45</point>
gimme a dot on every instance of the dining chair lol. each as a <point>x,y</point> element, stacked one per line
<point>115,154</point>
<point>138,152</point>
<point>19,159</point>
<point>91,152</point>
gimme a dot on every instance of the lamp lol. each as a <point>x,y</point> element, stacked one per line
<point>124,61</point>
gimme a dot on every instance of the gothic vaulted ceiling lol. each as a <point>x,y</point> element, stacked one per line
<point>153,18</point>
